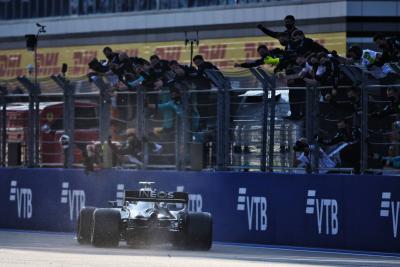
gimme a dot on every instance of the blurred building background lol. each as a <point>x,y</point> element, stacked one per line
<point>77,30</point>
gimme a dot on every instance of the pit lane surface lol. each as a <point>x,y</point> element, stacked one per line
<point>18,248</point>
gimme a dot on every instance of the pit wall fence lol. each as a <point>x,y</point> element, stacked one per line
<point>328,211</point>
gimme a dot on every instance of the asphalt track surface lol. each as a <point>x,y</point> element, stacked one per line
<point>19,248</point>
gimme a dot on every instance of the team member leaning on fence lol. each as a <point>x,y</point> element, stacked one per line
<point>175,105</point>
<point>266,58</point>
<point>352,106</point>
<point>391,160</point>
<point>346,142</point>
<point>158,67</point>
<point>371,61</point>
<point>203,65</point>
<point>126,69</point>
<point>319,69</point>
<point>393,107</point>
<point>290,25</point>
<point>303,45</point>
<point>390,48</point>
<point>206,101</point>
<point>92,156</point>
<point>132,151</point>
<point>188,78</point>
<point>325,162</point>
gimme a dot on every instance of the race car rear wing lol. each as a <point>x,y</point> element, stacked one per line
<point>156,196</point>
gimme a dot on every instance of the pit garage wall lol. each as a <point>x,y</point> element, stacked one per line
<point>347,212</point>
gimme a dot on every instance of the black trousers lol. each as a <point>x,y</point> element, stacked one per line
<point>297,98</point>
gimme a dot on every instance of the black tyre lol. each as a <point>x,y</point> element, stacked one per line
<point>198,231</point>
<point>105,230</point>
<point>84,225</point>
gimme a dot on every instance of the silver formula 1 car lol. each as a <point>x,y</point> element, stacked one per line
<point>147,216</point>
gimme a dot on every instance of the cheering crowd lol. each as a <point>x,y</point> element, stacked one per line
<point>301,62</point>
<point>166,82</point>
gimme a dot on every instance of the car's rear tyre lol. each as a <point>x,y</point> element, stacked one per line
<point>198,231</point>
<point>84,225</point>
<point>105,230</point>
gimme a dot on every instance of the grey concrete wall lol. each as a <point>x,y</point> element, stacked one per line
<point>216,22</point>
<point>193,17</point>
<point>313,16</point>
<point>366,18</point>
<point>375,8</point>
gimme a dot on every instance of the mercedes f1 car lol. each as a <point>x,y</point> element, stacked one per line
<point>146,216</point>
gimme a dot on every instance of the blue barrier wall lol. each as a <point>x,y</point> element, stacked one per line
<point>348,212</point>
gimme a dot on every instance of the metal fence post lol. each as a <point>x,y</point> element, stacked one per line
<point>37,125</point>
<point>186,129</point>
<point>68,117</point>
<point>267,83</point>
<point>105,109</point>
<point>272,126</point>
<point>33,121</point>
<point>227,123</point>
<point>31,130</point>
<point>312,127</point>
<point>220,122</point>
<point>69,122</point>
<point>272,83</point>
<point>364,124</point>
<point>140,122</point>
<point>4,133</point>
<point>309,121</point>
<point>263,161</point>
<point>315,129</point>
<point>178,143</point>
<point>223,137</point>
<point>3,136</point>
<point>145,145</point>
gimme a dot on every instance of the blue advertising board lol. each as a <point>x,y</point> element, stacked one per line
<point>333,211</point>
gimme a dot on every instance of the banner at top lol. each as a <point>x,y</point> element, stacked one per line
<point>222,52</point>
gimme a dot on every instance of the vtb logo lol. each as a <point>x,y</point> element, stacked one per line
<point>23,196</point>
<point>327,207</point>
<point>120,196</point>
<point>392,208</point>
<point>256,207</point>
<point>74,198</point>
<point>195,203</point>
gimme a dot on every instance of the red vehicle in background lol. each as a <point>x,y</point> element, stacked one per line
<point>51,128</point>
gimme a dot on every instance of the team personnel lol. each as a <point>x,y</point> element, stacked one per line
<point>266,58</point>
<point>290,26</point>
<point>390,48</point>
<point>303,45</point>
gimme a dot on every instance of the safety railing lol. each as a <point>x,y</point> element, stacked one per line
<point>270,128</point>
